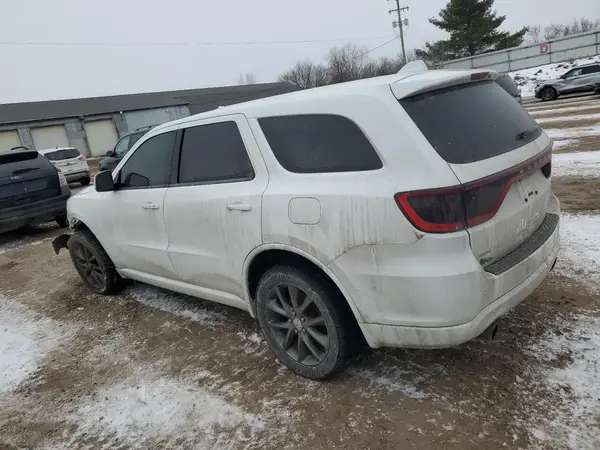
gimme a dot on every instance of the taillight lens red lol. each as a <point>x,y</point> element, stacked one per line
<point>459,207</point>
<point>81,158</point>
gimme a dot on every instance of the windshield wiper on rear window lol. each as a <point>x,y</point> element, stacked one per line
<point>525,134</point>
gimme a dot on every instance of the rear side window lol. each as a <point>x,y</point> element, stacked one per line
<point>150,165</point>
<point>214,153</point>
<point>471,122</point>
<point>319,143</point>
<point>590,69</point>
<point>59,155</point>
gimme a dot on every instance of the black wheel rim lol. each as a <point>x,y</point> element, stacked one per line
<point>88,265</point>
<point>297,324</point>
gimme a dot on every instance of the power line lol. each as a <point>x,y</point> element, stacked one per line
<point>379,46</point>
<point>182,44</point>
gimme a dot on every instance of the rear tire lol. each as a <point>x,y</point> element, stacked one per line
<point>307,324</point>
<point>85,181</point>
<point>93,264</point>
<point>548,94</point>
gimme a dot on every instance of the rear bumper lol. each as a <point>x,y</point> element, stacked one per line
<point>44,211</point>
<point>433,293</point>
<point>77,175</point>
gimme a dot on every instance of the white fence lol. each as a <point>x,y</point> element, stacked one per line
<point>517,58</point>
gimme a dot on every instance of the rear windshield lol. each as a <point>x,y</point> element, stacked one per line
<point>508,85</point>
<point>59,155</point>
<point>14,163</point>
<point>471,122</point>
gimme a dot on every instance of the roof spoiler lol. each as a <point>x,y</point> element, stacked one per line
<point>416,66</point>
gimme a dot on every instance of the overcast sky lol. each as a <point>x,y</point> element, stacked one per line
<point>132,63</point>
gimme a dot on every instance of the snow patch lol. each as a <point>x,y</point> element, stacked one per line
<point>576,132</point>
<point>180,305</point>
<point>147,407</point>
<point>554,110</point>
<point>579,164</point>
<point>579,258</point>
<point>564,118</point>
<point>564,143</point>
<point>577,384</point>
<point>25,340</point>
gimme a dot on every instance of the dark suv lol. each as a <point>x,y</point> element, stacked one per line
<point>123,146</point>
<point>32,190</point>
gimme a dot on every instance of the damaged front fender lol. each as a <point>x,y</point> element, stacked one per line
<point>60,242</point>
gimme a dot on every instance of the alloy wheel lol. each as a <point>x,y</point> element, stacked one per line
<point>297,324</point>
<point>89,266</point>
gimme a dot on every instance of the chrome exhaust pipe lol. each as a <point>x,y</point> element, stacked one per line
<point>490,332</point>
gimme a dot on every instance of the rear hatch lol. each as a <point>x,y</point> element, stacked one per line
<point>26,177</point>
<point>501,159</point>
<point>68,160</point>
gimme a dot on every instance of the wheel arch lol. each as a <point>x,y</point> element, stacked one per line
<point>266,256</point>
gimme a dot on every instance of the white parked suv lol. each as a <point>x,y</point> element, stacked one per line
<point>409,211</point>
<point>70,162</point>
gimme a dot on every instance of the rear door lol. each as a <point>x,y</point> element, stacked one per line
<point>492,144</point>
<point>213,212</point>
<point>26,177</point>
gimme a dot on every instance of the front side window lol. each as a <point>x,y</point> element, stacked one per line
<point>150,165</point>
<point>214,153</point>
<point>122,146</point>
<point>573,73</point>
<point>319,143</point>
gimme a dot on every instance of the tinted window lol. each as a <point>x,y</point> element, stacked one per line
<point>214,152</point>
<point>508,85</point>
<point>573,73</point>
<point>150,165</point>
<point>18,163</point>
<point>134,138</point>
<point>59,155</point>
<point>318,143</point>
<point>590,69</point>
<point>471,122</point>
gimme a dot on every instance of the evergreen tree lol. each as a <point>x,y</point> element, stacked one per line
<point>474,28</point>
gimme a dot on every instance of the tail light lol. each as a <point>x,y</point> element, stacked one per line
<point>62,180</point>
<point>81,158</point>
<point>460,207</point>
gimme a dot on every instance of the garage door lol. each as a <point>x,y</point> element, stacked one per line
<point>8,140</point>
<point>49,137</point>
<point>101,136</point>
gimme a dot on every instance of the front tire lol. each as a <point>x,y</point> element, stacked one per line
<point>305,321</point>
<point>85,181</point>
<point>93,264</point>
<point>548,94</point>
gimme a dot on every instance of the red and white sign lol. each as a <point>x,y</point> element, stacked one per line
<point>544,48</point>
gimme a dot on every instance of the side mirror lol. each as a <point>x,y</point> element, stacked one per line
<point>110,153</point>
<point>104,181</point>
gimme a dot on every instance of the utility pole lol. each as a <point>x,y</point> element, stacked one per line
<point>400,24</point>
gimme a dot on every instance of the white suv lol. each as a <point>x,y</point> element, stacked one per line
<point>411,210</point>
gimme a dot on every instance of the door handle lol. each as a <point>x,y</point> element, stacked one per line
<point>150,206</point>
<point>239,207</point>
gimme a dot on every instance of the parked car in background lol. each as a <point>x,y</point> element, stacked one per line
<point>400,210</point>
<point>32,190</point>
<point>121,148</point>
<point>508,84</point>
<point>577,80</point>
<point>70,162</point>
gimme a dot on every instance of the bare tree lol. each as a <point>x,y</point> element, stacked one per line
<point>534,34</point>
<point>553,31</point>
<point>305,74</point>
<point>346,63</point>
<point>247,78</point>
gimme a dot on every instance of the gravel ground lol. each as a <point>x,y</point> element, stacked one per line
<point>151,369</point>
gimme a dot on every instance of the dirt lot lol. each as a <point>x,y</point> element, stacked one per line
<point>150,369</point>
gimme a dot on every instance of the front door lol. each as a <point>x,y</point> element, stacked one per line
<point>137,208</point>
<point>213,213</point>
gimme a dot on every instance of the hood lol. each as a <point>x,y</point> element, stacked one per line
<point>85,190</point>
